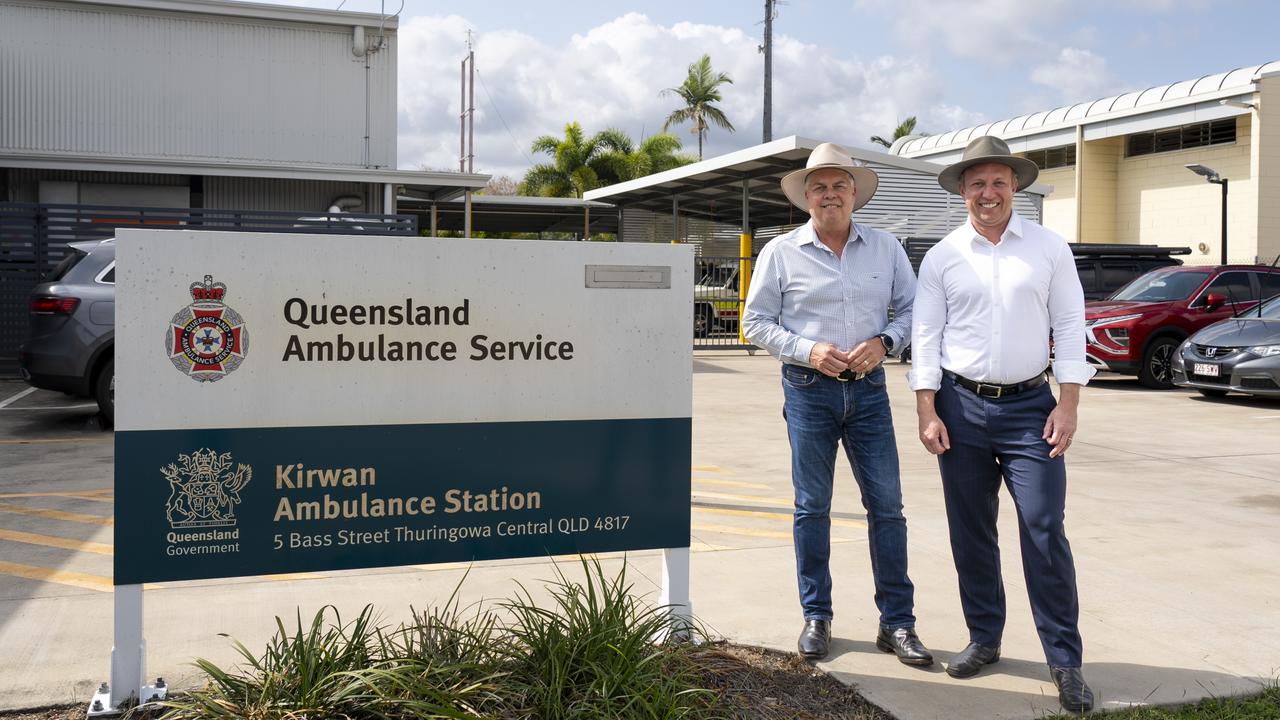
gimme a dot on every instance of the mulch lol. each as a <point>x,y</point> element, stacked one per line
<point>755,684</point>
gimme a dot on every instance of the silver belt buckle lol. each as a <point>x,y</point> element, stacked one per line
<point>997,389</point>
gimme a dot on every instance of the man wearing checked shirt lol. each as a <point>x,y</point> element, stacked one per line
<point>819,302</point>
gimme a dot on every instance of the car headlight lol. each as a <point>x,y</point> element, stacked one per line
<point>1099,322</point>
<point>1265,350</point>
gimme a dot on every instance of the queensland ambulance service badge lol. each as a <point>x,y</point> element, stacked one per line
<point>207,339</point>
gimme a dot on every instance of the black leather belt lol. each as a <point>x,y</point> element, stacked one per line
<point>993,390</point>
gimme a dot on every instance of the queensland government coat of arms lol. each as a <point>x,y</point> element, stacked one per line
<point>204,489</point>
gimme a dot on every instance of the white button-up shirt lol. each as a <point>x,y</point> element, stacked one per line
<point>985,311</point>
<point>802,294</point>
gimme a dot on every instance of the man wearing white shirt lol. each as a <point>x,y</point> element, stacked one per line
<point>988,296</point>
<point>819,302</point>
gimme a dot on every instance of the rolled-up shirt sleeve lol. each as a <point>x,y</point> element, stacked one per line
<point>904,296</point>
<point>929,315</point>
<point>761,319</point>
<point>1066,317</point>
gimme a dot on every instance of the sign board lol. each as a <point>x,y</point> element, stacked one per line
<point>290,403</point>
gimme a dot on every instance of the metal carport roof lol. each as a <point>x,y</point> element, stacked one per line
<point>517,214</point>
<point>713,189</point>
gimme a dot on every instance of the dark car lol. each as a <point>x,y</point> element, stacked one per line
<point>71,343</point>
<point>1241,354</point>
<point>1104,269</point>
<point>1138,329</point>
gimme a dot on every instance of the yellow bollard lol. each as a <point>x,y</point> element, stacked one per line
<point>744,279</point>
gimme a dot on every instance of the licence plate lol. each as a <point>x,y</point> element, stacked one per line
<point>1206,369</point>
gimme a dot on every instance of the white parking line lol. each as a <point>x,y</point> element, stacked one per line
<point>58,407</point>
<point>15,398</point>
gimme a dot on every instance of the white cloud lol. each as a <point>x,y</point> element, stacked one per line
<point>611,76</point>
<point>1077,76</point>
<point>986,31</point>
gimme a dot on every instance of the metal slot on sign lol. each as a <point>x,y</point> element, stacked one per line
<point>632,277</point>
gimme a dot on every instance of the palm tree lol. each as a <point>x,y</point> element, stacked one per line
<point>655,154</point>
<point>698,92</point>
<point>578,163</point>
<point>905,128</point>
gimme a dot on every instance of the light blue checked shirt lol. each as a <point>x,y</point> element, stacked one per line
<point>802,294</point>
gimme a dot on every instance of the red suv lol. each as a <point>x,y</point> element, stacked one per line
<point>1137,330</point>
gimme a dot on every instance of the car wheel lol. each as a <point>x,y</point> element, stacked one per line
<point>1212,393</point>
<point>1157,364</point>
<point>104,390</point>
<point>702,322</point>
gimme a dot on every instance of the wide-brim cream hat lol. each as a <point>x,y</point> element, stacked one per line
<point>830,155</point>
<point>988,149</point>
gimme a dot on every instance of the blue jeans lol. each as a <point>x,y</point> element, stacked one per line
<point>822,412</point>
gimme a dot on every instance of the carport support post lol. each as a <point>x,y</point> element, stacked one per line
<point>675,219</point>
<point>675,587</point>
<point>744,258</point>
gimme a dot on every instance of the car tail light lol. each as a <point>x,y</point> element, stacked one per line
<point>53,305</point>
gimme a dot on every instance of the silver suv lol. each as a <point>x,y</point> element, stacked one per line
<point>71,344</point>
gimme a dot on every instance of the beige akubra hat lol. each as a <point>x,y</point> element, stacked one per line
<point>988,149</point>
<point>830,155</point>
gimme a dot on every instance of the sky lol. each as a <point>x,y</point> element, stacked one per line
<point>842,70</point>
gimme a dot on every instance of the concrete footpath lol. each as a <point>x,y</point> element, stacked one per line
<point>1173,513</point>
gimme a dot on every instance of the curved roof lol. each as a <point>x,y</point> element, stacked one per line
<point>1240,78</point>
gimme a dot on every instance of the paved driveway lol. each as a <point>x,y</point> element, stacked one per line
<point>1173,514</point>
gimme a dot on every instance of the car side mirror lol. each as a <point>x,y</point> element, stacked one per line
<point>1214,301</point>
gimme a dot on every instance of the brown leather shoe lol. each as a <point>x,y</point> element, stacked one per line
<point>904,643</point>
<point>1073,692</point>
<point>971,659</point>
<point>814,639</point>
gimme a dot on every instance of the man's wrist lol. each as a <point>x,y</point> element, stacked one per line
<point>886,341</point>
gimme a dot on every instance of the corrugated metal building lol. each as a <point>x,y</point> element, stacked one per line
<point>202,104</point>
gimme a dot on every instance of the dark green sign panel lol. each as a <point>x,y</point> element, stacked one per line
<point>257,501</point>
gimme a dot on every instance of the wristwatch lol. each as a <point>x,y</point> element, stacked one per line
<point>888,342</point>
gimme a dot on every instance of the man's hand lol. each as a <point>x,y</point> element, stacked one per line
<point>1061,425</point>
<point>828,360</point>
<point>933,432</point>
<point>867,355</point>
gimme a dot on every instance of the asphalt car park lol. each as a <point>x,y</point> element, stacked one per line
<point>1173,515</point>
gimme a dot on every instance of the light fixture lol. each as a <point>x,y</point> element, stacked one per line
<point>1231,102</point>
<point>1207,172</point>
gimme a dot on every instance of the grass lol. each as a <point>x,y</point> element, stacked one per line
<point>1262,706</point>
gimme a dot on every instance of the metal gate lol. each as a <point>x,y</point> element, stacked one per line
<point>719,297</point>
<point>34,237</point>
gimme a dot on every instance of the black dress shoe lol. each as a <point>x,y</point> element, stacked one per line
<point>904,643</point>
<point>814,639</point>
<point>971,659</point>
<point>1073,693</point>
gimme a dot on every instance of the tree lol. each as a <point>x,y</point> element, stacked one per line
<point>500,185</point>
<point>655,154</point>
<point>699,92</point>
<point>905,128</point>
<point>578,163</point>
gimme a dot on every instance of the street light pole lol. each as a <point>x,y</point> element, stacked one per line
<point>1223,182</point>
<point>1212,176</point>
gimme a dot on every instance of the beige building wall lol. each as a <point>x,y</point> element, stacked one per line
<point>1159,202</point>
<point>1097,162</point>
<point>1264,165</point>
<point>1059,212</point>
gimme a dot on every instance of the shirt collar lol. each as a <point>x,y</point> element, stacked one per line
<point>1013,229</point>
<point>811,235</point>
